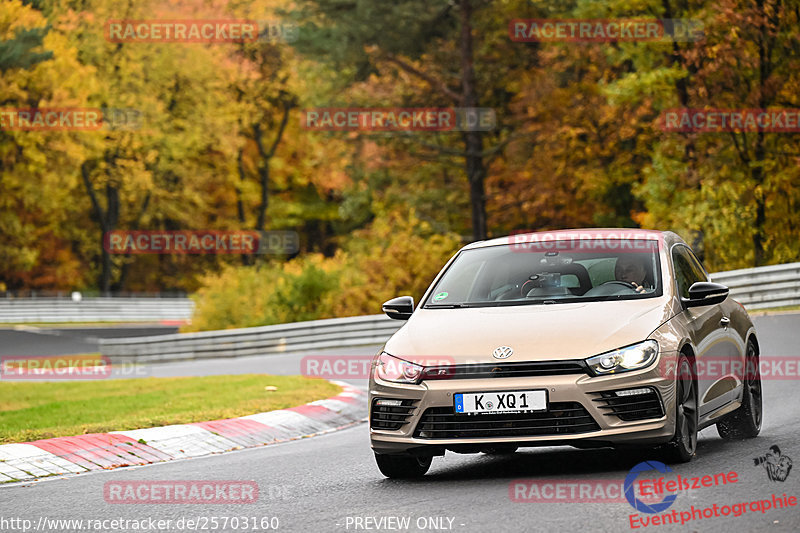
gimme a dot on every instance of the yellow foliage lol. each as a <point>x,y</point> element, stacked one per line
<point>394,256</point>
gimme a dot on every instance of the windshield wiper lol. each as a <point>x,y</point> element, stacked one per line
<point>503,303</point>
<point>538,301</point>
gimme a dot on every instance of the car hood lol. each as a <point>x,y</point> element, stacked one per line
<point>534,332</point>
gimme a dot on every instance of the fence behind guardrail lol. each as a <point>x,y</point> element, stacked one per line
<point>100,309</point>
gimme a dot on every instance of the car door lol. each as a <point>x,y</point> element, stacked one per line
<point>715,345</point>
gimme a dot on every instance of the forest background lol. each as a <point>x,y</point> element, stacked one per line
<point>221,144</point>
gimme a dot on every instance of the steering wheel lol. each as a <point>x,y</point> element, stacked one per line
<point>623,283</point>
<point>531,278</point>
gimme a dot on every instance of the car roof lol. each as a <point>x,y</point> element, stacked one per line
<point>668,237</point>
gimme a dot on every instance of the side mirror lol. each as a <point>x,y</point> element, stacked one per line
<point>705,293</point>
<point>399,308</point>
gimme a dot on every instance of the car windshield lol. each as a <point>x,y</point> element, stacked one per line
<point>576,271</point>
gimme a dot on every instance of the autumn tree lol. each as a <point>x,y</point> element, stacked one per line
<point>750,60</point>
<point>365,34</point>
<point>38,169</point>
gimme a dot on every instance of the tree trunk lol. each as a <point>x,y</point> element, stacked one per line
<point>263,178</point>
<point>109,224</point>
<point>126,265</point>
<point>761,211</point>
<point>247,260</point>
<point>266,156</point>
<point>473,140</point>
<point>759,153</point>
<point>107,219</point>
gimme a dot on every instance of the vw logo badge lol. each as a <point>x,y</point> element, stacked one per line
<point>502,352</point>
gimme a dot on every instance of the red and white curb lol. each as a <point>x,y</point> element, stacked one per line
<point>105,451</point>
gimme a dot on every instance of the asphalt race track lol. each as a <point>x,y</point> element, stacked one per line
<point>34,340</point>
<point>330,482</point>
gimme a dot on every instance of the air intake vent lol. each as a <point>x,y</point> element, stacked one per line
<point>390,414</point>
<point>631,404</point>
<point>561,418</point>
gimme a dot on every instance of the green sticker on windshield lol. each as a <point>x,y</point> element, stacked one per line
<point>440,296</point>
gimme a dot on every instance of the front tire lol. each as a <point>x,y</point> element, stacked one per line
<point>403,466</point>
<point>683,445</point>
<point>745,422</point>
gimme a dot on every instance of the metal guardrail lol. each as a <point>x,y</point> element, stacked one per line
<point>281,338</point>
<point>756,288</point>
<point>763,287</point>
<point>89,293</point>
<point>101,309</point>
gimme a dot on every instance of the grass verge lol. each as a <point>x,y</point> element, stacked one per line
<point>40,410</point>
<point>784,309</point>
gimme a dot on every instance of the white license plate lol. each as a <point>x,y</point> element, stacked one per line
<point>501,402</point>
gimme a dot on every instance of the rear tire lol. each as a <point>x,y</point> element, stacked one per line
<point>683,445</point>
<point>403,466</point>
<point>745,422</point>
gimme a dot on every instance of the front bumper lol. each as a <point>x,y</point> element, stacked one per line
<point>573,390</point>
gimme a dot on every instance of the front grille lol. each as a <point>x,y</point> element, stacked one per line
<point>629,408</point>
<point>505,370</point>
<point>561,418</point>
<point>391,417</point>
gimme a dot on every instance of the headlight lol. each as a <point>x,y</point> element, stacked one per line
<point>631,357</point>
<point>390,368</point>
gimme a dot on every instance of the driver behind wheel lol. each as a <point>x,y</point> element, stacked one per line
<point>632,268</point>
